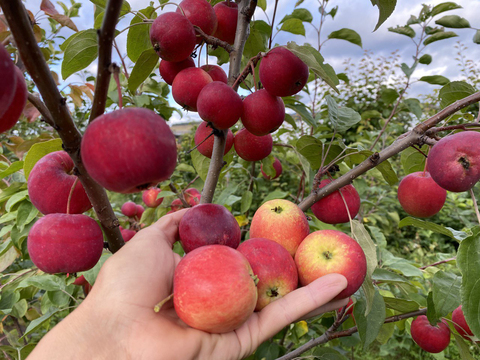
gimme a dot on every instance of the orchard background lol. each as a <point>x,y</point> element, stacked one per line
<point>353,121</point>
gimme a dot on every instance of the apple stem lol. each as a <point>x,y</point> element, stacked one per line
<point>247,69</point>
<point>159,306</point>
<point>475,205</point>
<point>252,66</point>
<point>273,22</point>
<point>201,142</point>
<point>425,167</point>
<point>70,194</point>
<point>116,73</point>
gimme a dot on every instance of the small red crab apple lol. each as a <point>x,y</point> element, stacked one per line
<point>15,109</point>
<point>150,197</point>
<point>250,147</point>
<point>192,196</point>
<point>460,323</point>
<point>205,147</point>
<point>227,16</point>
<point>168,70</point>
<point>129,209</point>
<point>433,339</point>
<point>262,113</point>
<point>201,14</point>
<point>187,86</point>
<point>215,72</point>
<point>9,80</point>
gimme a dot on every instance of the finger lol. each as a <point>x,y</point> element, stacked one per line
<point>332,305</point>
<point>297,304</point>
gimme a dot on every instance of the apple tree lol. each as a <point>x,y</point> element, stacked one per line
<point>350,149</point>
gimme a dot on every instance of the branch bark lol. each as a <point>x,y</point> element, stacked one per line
<point>106,35</point>
<point>36,66</point>
<point>416,136</point>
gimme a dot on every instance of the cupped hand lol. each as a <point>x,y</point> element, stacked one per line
<point>117,321</point>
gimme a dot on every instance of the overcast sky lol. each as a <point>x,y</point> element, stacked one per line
<point>358,15</point>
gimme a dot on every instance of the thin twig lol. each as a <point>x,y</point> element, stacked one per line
<point>179,195</point>
<point>40,106</point>
<point>438,263</point>
<point>273,23</point>
<point>475,205</point>
<point>211,40</point>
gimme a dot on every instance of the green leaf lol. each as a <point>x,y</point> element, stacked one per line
<point>342,118</point>
<point>453,91</point>
<point>369,326</point>
<point>45,282</point>
<point>314,61</point>
<point>138,38</point>
<point>423,224</point>
<point>326,353</point>
<point>7,244</point>
<point>222,55</point>
<point>446,292</point>
<point>462,347</point>
<point>19,309</point>
<point>262,4</point>
<point>81,50</point>
<point>301,110</point>
<point>453,21</point>
<point>200,163</point>
<point>294,26</point>
<point>267,166</point>
<point>91,275</point>
<point>382,275</point>
<point>25,214</point>
<point>425,59</point>
<point>15,199</point>
<point>385,7</point>
<point>435,80</point>
<point>143,67</point>
<point>225,194</point>
<point>300,14</point>
<point>8,258</point>
<point>311,148</point>
<point>446,6</point>
<point>267,351</point>
<point>401,305</point>
<point>403,30</point>
<point>387,330</point>
<point>13,168</point>
<point>476,37</point>
<point>103,4</point>
<point>404,266</point>
<point>37,151</point>
<point>414,107</point>
<point>276,194</point>
<point>348,35</point>
<point>468,261</point>
<point>412,160</point>
<point>246,201</point>
<point>385,168</point>
<point>257,41</point>
<point>439,36</point>
<point>389,96</point>
<point>38,322</point>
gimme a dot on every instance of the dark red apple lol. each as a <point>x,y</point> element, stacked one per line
<point>129,209</point>
<point>250,147</point>
<point>282,73</point>
<point>277,165</point>
<point>454,162</point>
<point>208,224</point>
<point>274,266</point>
<point>150,197</point>
<point>127,234</point>
<point>80,281</point>
<point>227,17</point>
<point>214,289</point>
<point>325,252</point>
<point>65,243</point>
<point>215,72</point>
<point>173,36</point>
<point>206,147</point>
<point>187,86</point>
<point>50,183</point>
<point>168,70</point>
<point>144,147</point>
<point>219,104</point>
<point>201,14</point>
<point>262,113</point>
<point>9,80</point>
<point>176,205</point>
<point>192,196</point>
<point>15,109</point>
<point>420,195</point>
<point>332,210</point>
<point>460,323</point>
<point>140,210</point>
<point>432,339</point>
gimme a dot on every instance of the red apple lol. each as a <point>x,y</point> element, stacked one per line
<point>144,147</point>
<point>332,210</point>
<point>140,210</point>
<point>206,147</point>
<point>150,197</point>
<point>331,251</point>
<point>454,162</point>
<point>282,73</point>
<point>214,289</point>
<point>420,195</point>
<point>432,339</point>
<point>50,183</point>
<point>187,86</point>
<point>208,224</point>
<point>173,36</point>
<point>281,221</point>
<point>65,243</point>
<point>460,323</point>
<point>227,17</point>
<point>274,267</point>
<point>129,209</point>
<point>80,281</point>
<point>262,113</point>
<point>219,104</point>
<point>192,196</point>
<point>15,109</point>
<point>215,72</point>
<point>168,70</point>
<point>250,147</point>
<point>176,205</point>
<point>127,234</point>
<point>277,165</point>
<point>9,80</point>
<point>201,14</point>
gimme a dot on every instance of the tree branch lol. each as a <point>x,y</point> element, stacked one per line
<point>212,40</point>
<point>106,35</point>
<point>36,66</point>
<point>438,263</point>
<point>216,165</point>
<point>416,136</point>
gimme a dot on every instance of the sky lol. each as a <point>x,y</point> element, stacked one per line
<point>358,15</point>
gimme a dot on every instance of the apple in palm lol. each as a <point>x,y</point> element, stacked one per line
<point>432,339</point>
<point>331,251</point>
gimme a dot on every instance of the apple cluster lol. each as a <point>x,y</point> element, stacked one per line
<point>280,254</point>
<point>453,164</point>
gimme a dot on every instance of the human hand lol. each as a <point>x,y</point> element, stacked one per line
<point>117,321</point>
